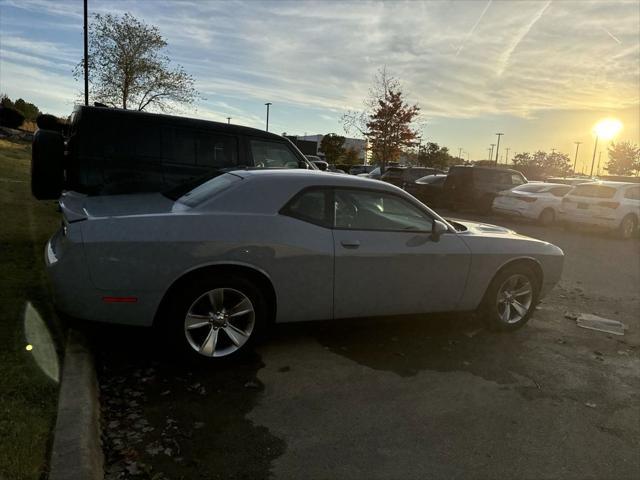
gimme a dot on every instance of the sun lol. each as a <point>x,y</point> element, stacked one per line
<point>607,128</point>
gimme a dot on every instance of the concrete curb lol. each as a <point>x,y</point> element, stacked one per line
<point>77,450</point>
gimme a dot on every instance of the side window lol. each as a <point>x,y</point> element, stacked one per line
<point>217,151</point>
<point>560,191</point>
<point>368,210</point>
<point>632,193</point>
<point>273,155</point>
<point>516,179</point>
<point>311,205</point>
<point>179,146</point>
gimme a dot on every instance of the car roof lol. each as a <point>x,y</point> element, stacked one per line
<point>303,178</point>
<point>610,183</point>
<point>187,122</point>
<point>475,168</point>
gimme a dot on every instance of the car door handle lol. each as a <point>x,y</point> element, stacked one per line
<point>350,243</point>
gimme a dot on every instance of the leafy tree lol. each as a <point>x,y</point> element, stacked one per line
<point>29,110</point>
<point>386,120</point>
<point>624,159</point>
<point>332,147</point>
<point>433,155</point>
<point>351,157</point>
<point>542,164</point>
<point>128,67</point>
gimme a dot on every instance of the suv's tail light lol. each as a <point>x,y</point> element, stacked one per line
<point>612,205</point>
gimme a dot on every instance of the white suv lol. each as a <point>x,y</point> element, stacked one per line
<point>613,205</point>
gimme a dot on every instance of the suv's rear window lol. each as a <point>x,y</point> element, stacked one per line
<point>531,188</point>
<point>595,191</point>
<point>273,155</point>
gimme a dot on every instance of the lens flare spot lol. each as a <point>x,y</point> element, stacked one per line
<point>29,347</point>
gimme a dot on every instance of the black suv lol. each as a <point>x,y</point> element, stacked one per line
<point>476,187</point>
<point>110,151</point>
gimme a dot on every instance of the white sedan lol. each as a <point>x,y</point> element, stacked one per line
<point>534,201</point>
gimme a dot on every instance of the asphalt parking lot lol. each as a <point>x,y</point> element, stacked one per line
<point>433,397</point>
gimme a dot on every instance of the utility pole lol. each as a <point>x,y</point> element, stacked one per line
<point>460,152</point>
<point>575,160</point>
<point>553,151</point>
<point>228,120</point>
<point>491,154</point>
<point>86,55</point>
<point>593,160</point>
<point>507,157</point>
<point>268,104</point>
<point>498,147</point>
<point>599,158</point>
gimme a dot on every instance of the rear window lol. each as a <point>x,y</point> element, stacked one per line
<point>531,188</point>
<point>208,189</point>
<point>273,155</point>
<point>594,191</point>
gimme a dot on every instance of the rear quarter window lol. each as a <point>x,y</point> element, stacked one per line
<point>594,191</point>
<point>208,189</point>
<point>632,193</point>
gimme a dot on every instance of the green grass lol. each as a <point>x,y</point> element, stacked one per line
<point>28,397</point>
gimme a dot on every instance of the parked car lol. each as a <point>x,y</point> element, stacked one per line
<point>469,187</point>
<point>428,189</point>
<point>612,205</point>
<point>399,176</point>
<point>374,174</point>
<point>358,169</point>
<point>111,151</point>
<point>212,267</point>
<point>534,201</point>
<point>571,180</point>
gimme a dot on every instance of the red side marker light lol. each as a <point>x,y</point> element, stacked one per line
<point>120,299</point>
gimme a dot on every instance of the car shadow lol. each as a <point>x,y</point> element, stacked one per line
<point>409,345</point>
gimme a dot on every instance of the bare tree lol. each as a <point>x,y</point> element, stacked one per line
<point>128,69</point>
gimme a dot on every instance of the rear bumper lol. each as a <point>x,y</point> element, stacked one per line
<point>593,220</point>
<point>75,295</point>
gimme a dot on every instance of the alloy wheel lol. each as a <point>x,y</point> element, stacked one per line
<point>219,322</point>
<point>514,298</point>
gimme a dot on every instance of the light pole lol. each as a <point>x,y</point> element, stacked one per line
<point>593,160</point>
<point>268,104</point>
<point>506,158</point>
<point>460,152</point>
<point>228,120</point>
<point>599,158</point>
<point>491,154</point>
<point>575,160</point>
<point>498,147</point>
<point>86,56</point>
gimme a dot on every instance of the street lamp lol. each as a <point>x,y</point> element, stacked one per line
<point>575,160</point>
<point>605,129</point>
<point>228,120</point>
<point>86,56</point>
<point>498,147</point>
<point>268,104</point>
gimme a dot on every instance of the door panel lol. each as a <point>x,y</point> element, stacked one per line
<point>388,273</point>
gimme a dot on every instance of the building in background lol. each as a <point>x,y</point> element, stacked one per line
<point>304,142</point>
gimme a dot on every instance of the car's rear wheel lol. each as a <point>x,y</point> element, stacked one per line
<point>628,227</point>
<point>511,298</point>
<point>212,319</point>
<point>547,217</point>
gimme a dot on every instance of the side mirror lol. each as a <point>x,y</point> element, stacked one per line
<point>437,229</point>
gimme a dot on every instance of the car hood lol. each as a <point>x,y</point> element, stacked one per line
<point>479,228</point>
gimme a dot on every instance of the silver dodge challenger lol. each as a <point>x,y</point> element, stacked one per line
<point>216,263</point>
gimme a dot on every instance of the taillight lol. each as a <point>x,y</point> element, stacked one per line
<point>612,205</point>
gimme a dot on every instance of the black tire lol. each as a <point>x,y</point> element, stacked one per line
<point>547,217</point>
<point>628,227</point>
<point>47,168</point>
<point>182,301</point>
<point>490,308</point>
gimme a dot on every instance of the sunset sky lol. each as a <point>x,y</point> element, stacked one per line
<point>542,72</point>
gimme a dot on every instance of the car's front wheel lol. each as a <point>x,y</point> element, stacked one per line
<point>217,318</point>
<point>511,298</point>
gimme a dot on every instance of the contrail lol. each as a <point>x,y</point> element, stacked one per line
<point>473,29</point>
<point>506,55</point>
<point>610,34</point>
